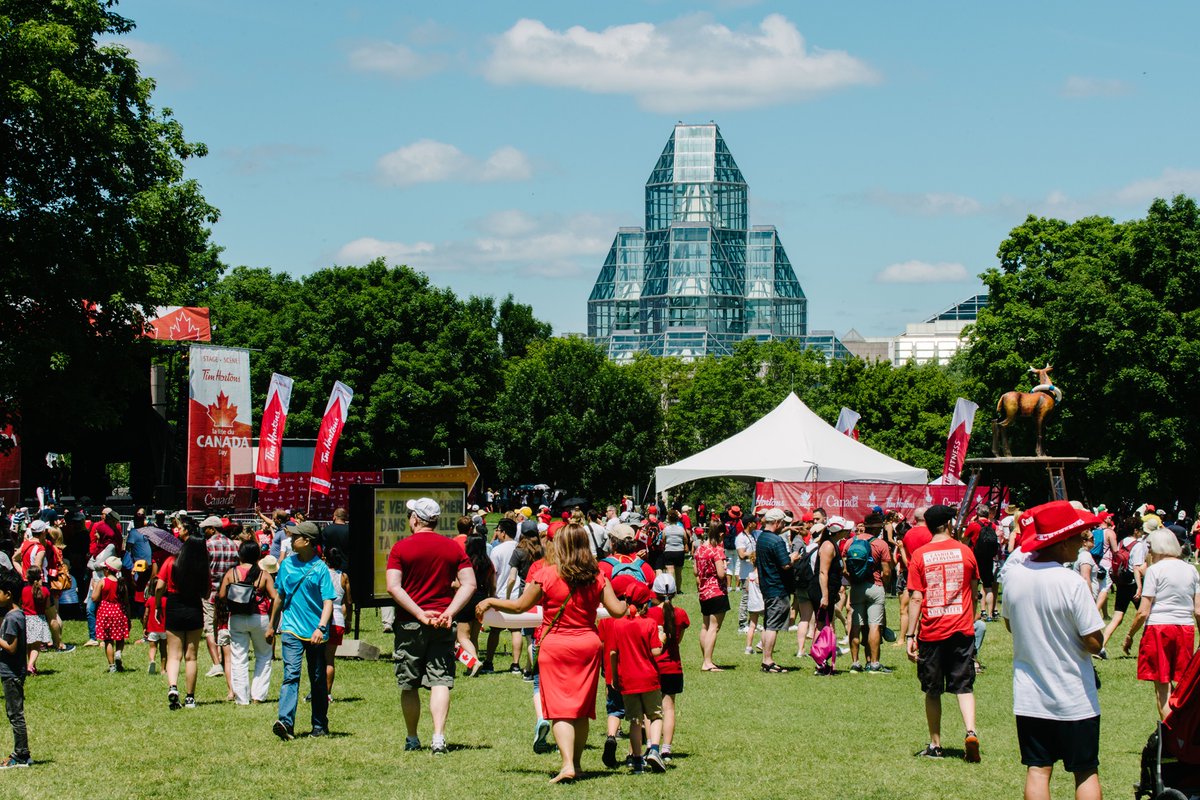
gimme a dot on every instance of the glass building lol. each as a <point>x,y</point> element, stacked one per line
<point>697,278</point>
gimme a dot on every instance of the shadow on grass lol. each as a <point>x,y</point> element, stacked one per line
<point>585,776</point>
<point>328,735</point>
<point>454,747</point>
<point>43,671</point>
<point>347,699</point>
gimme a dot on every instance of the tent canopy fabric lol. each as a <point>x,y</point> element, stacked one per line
<point>791,443</point>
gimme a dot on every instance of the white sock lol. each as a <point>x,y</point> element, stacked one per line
<point>439,740</point>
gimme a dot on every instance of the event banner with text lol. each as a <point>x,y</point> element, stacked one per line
<point>220,472</point>
<point>854,500</point>
<point>389,523</point>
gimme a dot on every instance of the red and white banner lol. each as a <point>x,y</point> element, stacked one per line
<point>220,469</point>
<point>847,422</point>
<point>960,436</point>
<point>270,436</point>
<point>181,324</point>
<point>855,500</point>
<point>10,469</point>
<point>336,410</point>
<point>292,492</point>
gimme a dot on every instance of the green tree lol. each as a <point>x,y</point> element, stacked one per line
<point>570,417</point>
<point>1114,307</point>
<point>518,328</point>
<point>98,222</point>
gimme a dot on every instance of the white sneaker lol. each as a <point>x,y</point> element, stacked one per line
<point>844,640</point>
<point>215,671</point>
<point>793,628</point>
<point>749,651</point>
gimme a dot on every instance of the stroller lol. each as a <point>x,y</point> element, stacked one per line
<point>1171,757</point>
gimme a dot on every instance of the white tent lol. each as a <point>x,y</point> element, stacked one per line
<point>789,444</point>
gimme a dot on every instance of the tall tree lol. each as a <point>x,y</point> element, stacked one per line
<point>518,328</point>
<point>97,220</point>
<point>1114,307</point>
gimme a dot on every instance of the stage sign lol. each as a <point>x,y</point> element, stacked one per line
<point>853,501</point>
<point>220,471</point>
<point>379,519</point>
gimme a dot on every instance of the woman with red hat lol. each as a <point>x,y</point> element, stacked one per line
<point>1056,629</point>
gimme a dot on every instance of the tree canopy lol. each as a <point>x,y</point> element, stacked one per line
<point>96,217</point>
<point>1114,307</point>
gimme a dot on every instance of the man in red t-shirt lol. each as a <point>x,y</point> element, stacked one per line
<point>421,570</point>
<point>943,578</point>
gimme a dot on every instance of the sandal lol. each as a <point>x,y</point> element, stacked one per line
<point>773,668</point>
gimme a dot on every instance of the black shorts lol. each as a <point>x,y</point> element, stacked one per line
<point>985,557</point>
<point>947,665</point>
<point>1076,743</point>
<point>715,605</point>
<point>775,615</point>
<point>182,616</point>
<point>672,683</point>
<point>1124,597</point>
<point>655,560</point>
<point>673,559</point>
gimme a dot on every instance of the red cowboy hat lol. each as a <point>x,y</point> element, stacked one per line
<point>1049,523</point>
<point>735,511</point>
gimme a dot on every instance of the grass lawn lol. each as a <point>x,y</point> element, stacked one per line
<point>741,734</point>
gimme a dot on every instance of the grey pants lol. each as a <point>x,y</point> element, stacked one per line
<point>743,607</point>
<point>14,704</point>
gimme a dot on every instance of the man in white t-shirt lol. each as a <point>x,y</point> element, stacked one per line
<point>1056,628</point>
<point>505,544</point>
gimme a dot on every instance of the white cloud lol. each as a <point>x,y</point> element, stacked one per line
<point>689,64</point>
<point>550,245</point>
<point>1080,86</point>
<point>926,204</point>
<point>392,59</point>
<point>267,157</point>
<point>147,54</point>
<point>922,272</point>
<point>1170,183</point>
<point>429,161</point>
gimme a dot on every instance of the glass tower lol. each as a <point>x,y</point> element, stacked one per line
<point>697,278</point>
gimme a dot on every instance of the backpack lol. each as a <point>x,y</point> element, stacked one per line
<point>731,532</point>
<point>1122,574</point>
<point>860,565</point>
<point>631,568</point>
<point>241,596</point>
<point>599,536</point>
<point>1097,550</point>
<point>987,534</point>
<point>804,567</point>
<point>653,535</point>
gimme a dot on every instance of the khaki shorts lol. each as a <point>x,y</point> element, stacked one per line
<point>424,656</point>
<point>222,634</point>
<point>867,602</point>
<point>646,704</point>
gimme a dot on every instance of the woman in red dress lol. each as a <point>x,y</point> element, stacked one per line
<point>568,584</point>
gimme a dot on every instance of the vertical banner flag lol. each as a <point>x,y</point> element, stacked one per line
<point>847,422</point>
<point>960,435</point>
<point>270,437</point>
<point>321,479</point>
<point>220,470</point>
<point>10,468</point>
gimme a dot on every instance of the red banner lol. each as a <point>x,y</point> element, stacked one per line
<point>854,500</point>
<point>292,492</point>
<point>181,324</point>
<point>336,410</point>
<point>220,469</point>
<point>270,437</point>
<point>10,470</point>
<point>960,436</point>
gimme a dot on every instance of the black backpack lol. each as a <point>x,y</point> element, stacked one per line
<point>987,534</point>
<point>804,567</point>
<point>241,596</point>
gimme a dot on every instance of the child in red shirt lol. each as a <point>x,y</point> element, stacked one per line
<point>634,644</point>
<point>34,600</point>
<point>672,622</point>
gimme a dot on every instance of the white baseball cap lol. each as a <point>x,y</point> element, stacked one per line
<point>425,507</point>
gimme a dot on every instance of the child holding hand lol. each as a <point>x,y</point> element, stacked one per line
<point>634,643</point>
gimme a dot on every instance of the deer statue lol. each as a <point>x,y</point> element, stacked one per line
<point>1036,404</point>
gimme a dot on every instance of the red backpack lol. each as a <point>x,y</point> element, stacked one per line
<point>1122,574</point>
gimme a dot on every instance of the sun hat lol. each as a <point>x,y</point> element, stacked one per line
<point>113,563</point>
<point>735,511</point>
<point>664,584</point>
<point>1151,523</point>
<point>1050,523</point>
<point>269,564</point>
<point>212,522</point>
<point>837,525</point>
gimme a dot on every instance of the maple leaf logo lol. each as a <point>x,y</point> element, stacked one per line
<point>221,413</point>
<point>182,328</point>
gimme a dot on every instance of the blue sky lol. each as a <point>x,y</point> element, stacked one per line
<point>498,146</point>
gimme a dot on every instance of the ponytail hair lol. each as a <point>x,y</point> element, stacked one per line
<point>668,620</point>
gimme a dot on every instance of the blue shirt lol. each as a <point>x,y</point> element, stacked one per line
<point>771,555</point>
<point>136,549</point>
<point>304,586</point>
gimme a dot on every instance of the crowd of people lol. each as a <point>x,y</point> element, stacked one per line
<point>606,584</point>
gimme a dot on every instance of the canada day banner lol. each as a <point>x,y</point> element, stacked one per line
<point>336,410</point>
<point>959,437</point>
<point>854,501</point>
<point>220,470</point>
<point>270,437</point>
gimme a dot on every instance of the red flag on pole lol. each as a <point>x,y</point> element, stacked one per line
<point>270,436</point>
<point>321,478</point>
<point>847,423</point>
<point>960,435</point>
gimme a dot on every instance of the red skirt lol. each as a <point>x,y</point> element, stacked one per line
<point>568,672</point>
<point>111,623</point>
<point>1165,651</point>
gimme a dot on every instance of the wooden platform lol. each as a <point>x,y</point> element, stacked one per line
<point>991,472</point>
<point>1025,460</point>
